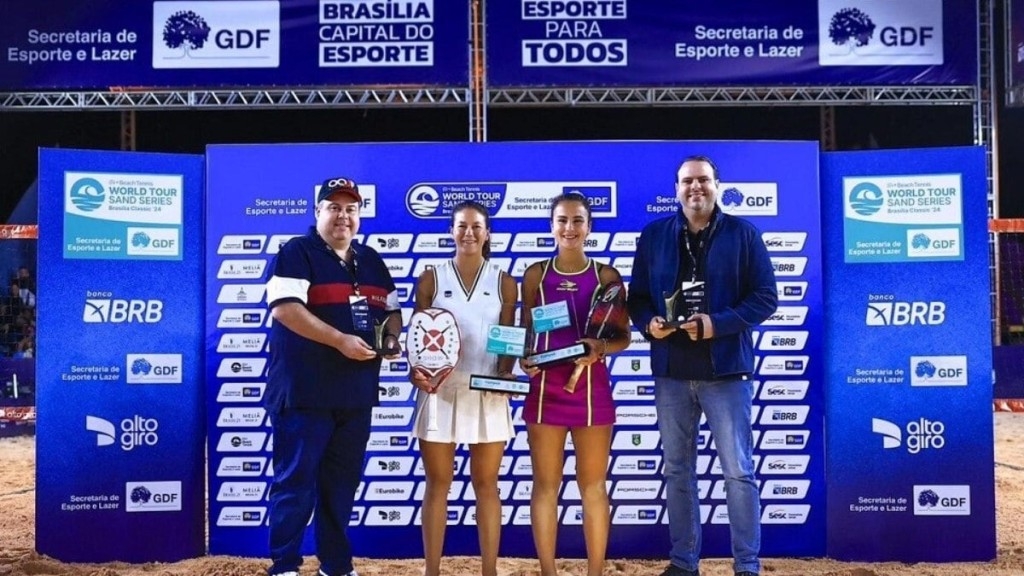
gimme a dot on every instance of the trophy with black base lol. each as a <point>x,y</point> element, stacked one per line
<point>606,311</point>
<point>684,303</point>
<point>385,343</point>
<point>434,345</point>
<point>504,341</point>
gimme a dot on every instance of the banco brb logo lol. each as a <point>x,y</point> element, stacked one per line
<point>87,194</point>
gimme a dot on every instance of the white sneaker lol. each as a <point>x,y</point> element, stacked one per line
<point>322,573</point>
<point>291,573</point>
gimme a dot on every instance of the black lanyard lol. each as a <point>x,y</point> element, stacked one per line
<point>694,258</point>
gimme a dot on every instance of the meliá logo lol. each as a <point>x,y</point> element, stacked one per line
<point>880,33</point>
<point>216,34</point>
<point>87,194</point>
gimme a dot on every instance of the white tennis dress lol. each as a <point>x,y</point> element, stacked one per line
<point>467,416</point>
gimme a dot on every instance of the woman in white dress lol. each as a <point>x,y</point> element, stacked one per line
<point>479,294</point>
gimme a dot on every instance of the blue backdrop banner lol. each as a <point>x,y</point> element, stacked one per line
<point>731,42</point>
<point>408,191</point>
<point>909,347</point>
<point>210,43</point>
<point>119,444</point>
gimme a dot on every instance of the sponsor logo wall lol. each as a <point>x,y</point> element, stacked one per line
<point>909,364</point>
<point>119,434</point>
<point>732,42</point>
<point>772,184</point>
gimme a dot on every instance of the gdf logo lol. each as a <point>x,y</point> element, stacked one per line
<point>115,311</point>
<point>905,313</point>
<point>216,34</point>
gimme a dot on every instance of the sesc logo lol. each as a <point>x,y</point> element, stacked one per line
<point>884,311</point>
<point>942,500</point>
<point>152,496</point>
<point>784,241</point>
<point>152,242</point>
<point>787,316</point>
<point>880,33</point>
<point>117,311</point>
<point>785,513</point>
<point>938,370</point>
<point>921,434</point>
<point>216,34</point>
<point>933,242</point>
<point>784,389</point>
<point>750,199</point>
<point>153,369</point>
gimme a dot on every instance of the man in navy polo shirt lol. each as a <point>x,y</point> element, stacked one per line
<point>330,298</point>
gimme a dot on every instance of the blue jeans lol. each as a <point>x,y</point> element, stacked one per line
<point>679,405</point>
<point>318,462</point>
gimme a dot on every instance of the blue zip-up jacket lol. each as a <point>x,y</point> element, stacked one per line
<point>740,288</point>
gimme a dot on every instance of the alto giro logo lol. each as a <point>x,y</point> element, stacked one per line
<point>866,199</point>
<point>87,194</point>
<point>134,432</point>
<point>921,434</point>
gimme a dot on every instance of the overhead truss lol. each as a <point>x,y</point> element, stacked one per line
<point>736,96</point>
<point>236,98</point>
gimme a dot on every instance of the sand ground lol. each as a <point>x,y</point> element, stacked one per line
<point>18,558</point>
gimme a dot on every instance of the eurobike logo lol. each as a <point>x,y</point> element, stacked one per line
<point>880,33</point>
<point>132,433</point>
<point>102,308</point>
<point>921,434</point>
<point>885,310</point>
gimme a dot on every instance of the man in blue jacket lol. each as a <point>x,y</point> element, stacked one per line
<point>702,356</point>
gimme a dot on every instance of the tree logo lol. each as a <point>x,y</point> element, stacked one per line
<point>851,27</point>
<point>186,30</point>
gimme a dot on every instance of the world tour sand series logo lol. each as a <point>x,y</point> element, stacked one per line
<point>216,34</point>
